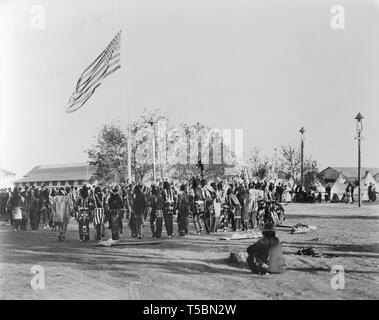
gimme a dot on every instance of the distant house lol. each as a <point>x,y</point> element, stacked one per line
<point>6,178</point>
<point>75,174</point>
<point>330,174</point>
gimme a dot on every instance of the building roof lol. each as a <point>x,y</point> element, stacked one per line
<point>59,172</point>
<point>6,172</point>
<point>351,172</point>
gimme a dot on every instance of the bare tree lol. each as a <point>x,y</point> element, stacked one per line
<point>290,165</point>
<point>257,165</point>
<point>253,162</point>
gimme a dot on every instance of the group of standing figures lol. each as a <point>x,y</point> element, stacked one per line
<point>212,206</point>
<point>42,207</point>
<point>242,206</point>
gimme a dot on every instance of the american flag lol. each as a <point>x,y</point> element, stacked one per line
<point>104,65</point>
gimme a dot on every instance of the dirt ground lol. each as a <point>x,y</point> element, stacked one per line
<point>196,267</point>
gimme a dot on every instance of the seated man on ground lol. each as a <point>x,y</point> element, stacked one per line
<point>265,256</point>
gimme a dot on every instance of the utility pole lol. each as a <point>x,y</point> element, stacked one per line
<point>302,130</point>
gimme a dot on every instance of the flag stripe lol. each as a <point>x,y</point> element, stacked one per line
<point>88,74</point>
<point>105,56</point>
<point>79,103</point>
<point>92,77</point>
<point>101,56</point>
<point>111,71</point>
<point>104,65</point>
<point>95,74</point>
<point>85,78</point>
<point>97,60</point>
<point>99,78</point>
<point>77,96</point>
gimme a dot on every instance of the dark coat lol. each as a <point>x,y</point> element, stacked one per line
<point>266,251</point>
<point>139,204</point>
<point>157,203</point>
<point>115,202</point>
<point>183,202</point>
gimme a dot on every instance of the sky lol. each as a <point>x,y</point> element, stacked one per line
<point>268,67</point>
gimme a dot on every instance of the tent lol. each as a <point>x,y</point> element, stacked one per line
<point>339,187</point>
<point>365,182</point>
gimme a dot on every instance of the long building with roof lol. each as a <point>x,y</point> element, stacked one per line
<point>59,175</point>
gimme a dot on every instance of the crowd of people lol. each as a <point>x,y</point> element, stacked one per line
<point>211,206</point>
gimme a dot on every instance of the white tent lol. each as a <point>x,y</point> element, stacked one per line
<point>365,182</point>
<point>339,187</point>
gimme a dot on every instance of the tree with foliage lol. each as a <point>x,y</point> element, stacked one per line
<point>172,146</point>
<point>108,154</point>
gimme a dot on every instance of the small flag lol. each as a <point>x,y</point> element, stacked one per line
<point>104,65</point>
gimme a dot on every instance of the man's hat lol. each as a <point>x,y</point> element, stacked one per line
<point>268,227</point>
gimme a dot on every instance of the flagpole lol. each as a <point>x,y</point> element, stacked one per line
<point>129,143</point>
<point>129,150</point>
